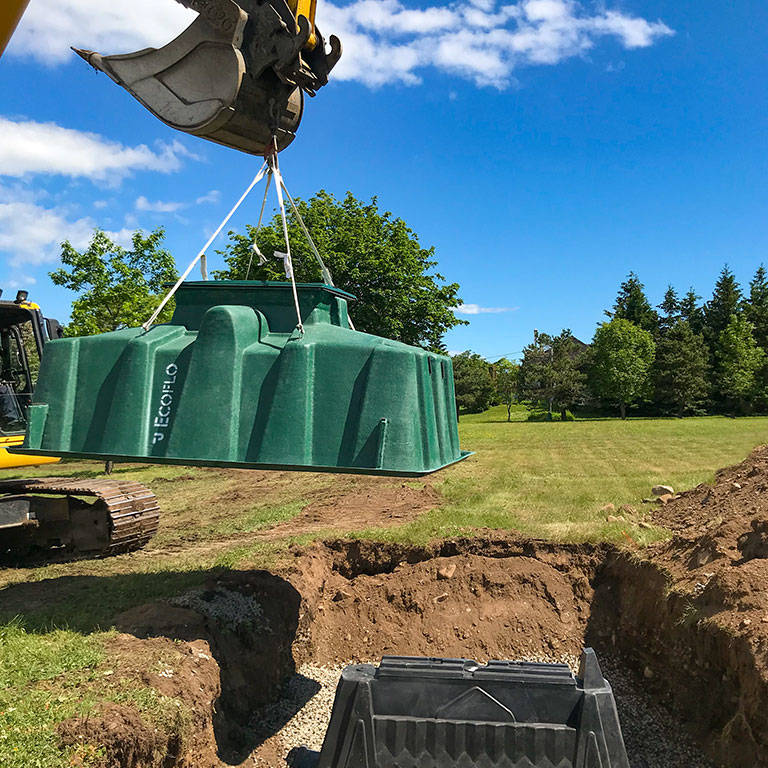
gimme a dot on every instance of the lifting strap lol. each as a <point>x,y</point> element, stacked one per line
<point>270,168</point>
<point>256,179</point>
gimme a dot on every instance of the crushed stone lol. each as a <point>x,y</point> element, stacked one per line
<point>224,606</point>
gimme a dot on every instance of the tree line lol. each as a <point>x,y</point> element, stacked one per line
<point>682,357</point>
<point>679,358</point>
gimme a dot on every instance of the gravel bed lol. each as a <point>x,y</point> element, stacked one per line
<point>653,738</point>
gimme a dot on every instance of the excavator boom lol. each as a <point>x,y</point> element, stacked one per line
<point>237,75</point>
<point>11,12</point>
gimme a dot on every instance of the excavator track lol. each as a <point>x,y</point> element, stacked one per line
<point>131,509</point>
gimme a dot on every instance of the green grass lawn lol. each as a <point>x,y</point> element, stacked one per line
<point>551,479</point>
<point>544,479</point>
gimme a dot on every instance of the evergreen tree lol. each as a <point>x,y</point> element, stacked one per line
<point>756,306</point>
<point>622,356</point>
<point>670,309</point>
<point>534,381</point>
<point>691,311</point>
<point>680,369</point>
<point>632,304</point>
<point>725,302</point>
<point>569,379</point>
<point>552,372</point>
<point>739,361</point>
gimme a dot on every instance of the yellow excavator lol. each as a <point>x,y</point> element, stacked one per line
<point>95,516</point>
<point>237,75</point>
<point>11,12</point>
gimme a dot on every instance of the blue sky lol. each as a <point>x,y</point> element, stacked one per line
<point>544,147</point>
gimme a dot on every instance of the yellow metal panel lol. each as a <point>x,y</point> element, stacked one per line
<point>307,9</point>
<point>11,460</point>
<point>11,12</point>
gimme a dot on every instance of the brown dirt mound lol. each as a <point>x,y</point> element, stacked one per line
<point>185,672</point>
<point>450,599</point>
<point>693,612</point>
<point>127,741</point>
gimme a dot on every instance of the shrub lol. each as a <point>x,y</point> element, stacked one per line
<point>541,415</point>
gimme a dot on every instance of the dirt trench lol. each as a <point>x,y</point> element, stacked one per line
<point>688,618</point>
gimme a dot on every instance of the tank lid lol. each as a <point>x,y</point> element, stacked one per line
<point>260,284</point>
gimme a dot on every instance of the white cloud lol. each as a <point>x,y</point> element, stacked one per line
<point>476,309</point>
<point>480,40</point>
<point>50,27</point>
<point>20,282</point>
<point>159,206</point>
<point>210,197</point>
<point>384,41</point>
<point>28,147</point>
<point>31,234</point>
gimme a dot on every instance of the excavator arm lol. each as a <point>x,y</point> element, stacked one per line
<point>11,12</point>
<point>237,75</point>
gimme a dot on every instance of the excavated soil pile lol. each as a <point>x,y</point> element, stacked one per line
<point>478,598</point>
<point>692,614</point>
<point>185,672</point>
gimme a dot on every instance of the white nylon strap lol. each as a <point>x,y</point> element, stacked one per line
<point>324,271</point>
<point>283,218</point>
<point>256,179</point>
<point>255,247</point>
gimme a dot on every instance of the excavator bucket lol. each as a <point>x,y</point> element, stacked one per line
<point>237,75</point>
<point>232,381</point>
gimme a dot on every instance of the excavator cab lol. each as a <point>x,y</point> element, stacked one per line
<point>237,75</point>
<point>23,332</point>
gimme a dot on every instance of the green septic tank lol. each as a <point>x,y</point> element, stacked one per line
<point>230,381</point>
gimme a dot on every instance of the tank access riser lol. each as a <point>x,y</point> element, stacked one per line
<point>455,713</point>
<point>48,514</point>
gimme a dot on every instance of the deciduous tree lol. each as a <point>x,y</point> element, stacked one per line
<point>622,356</point>
<point>739,359</point>
<point>552,371</point>
<point>505,378</point>
<point>117,287</point>
<point>370,253</point>
<point>473,383</point>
